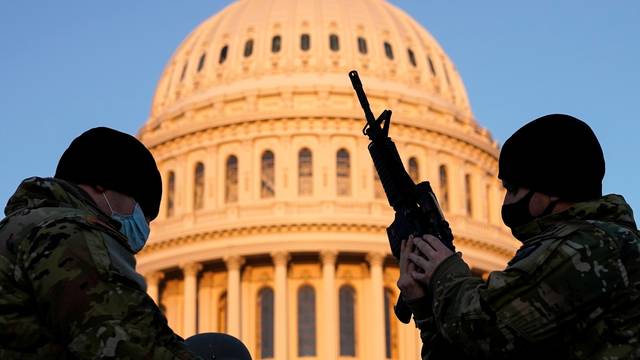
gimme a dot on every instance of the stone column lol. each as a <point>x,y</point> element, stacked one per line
<point>190,271</point>
<point>331,329</point>
<point>280,260</point>
<point>153,282</point>
<point>377,302</point>
<point>234,263</point>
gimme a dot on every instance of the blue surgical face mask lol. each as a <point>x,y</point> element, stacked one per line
<point>134,226</point>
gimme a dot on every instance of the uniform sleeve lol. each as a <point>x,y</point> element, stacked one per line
<point>561,282</point>
<point>96,313</point>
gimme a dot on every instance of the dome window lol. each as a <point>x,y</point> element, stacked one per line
<point>362,45</point>
<point>248,48</point>
<point>305,42</point>
<point>347,320</point>
<point>276,44</point>
<point>446,74</point>
<point>388,50</point>
<point>171,193</point>
<point>198,187</point>
<point>306,321</point>
<point>231,180</point>
<point>222,312</point>
<point>268,177</point>
<point>305,172</point>
<point>412,57</point>
<point>223,54</point>
<point>431,66</point>
<point>265,327</point>
<point>334,42</point>
<point>203,58</point>
<point>184,71</point>
<point>444,188</point>
<point>343,167</point>
<point>468,194</point>
<point>414,171</point>
<point>390,326</point>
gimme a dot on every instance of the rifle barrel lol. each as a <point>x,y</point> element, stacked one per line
<point>362,97</point>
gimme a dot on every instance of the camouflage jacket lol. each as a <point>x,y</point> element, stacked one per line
<point>68,286</point>
<point>572,291</point>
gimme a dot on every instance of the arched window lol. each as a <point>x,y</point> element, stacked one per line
<point>171,193</point>
<point>431,66</point>
<point>276,44</point>
<point>222,313</point>
<point>223,54</point>
<point>343,167</point>
<point>306,321</point>
<point>468,194</point>
<point>378,190</point>
<point>390,326</point>
<point>184,71</point>
<point>265,323</point>
<point>362,45</point>
<point>248,48</point>
<point>305,172</point>
<point>334,42</point>
<point>268,176</point>
<point>414,172</point>
<point>231,180</point>
<point>347,296</point>
<point>305,42</point>
<point>444,188</point>
<point>412,57</point>
<point>198,187</point>
<point>203,58</point>
<point>388,50</point>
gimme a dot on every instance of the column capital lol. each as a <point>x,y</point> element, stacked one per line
<point>234,262</point>
<point>375,258</point>
<point>328,257</point>
<point>190,268</point>
<point>154,276</point>
<point>280,257</point>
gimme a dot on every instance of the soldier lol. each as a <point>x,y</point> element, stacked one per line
<point>572,290</point>
<point>68,283</point>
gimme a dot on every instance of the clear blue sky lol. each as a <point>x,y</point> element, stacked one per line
<point>69,65</point>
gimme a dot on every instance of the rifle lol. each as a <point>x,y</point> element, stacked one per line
<point>417,211</point>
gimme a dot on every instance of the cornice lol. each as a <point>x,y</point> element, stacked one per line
<point>240,231</point>
<point>436,135</point>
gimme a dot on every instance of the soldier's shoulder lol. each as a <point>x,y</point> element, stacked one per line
<point>559,244</point>
<point>65,234</point>
<point>603,235</point>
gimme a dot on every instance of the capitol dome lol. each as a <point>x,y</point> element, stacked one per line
<point>272,223</point>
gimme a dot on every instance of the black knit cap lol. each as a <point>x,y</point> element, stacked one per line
<point>556,154</point>
<point>116,161</point>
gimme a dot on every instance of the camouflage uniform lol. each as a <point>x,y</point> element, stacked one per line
<point>572,291</point>
<point>68,286</point>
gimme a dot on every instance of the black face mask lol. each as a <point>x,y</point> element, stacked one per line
<point>517,213</point>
